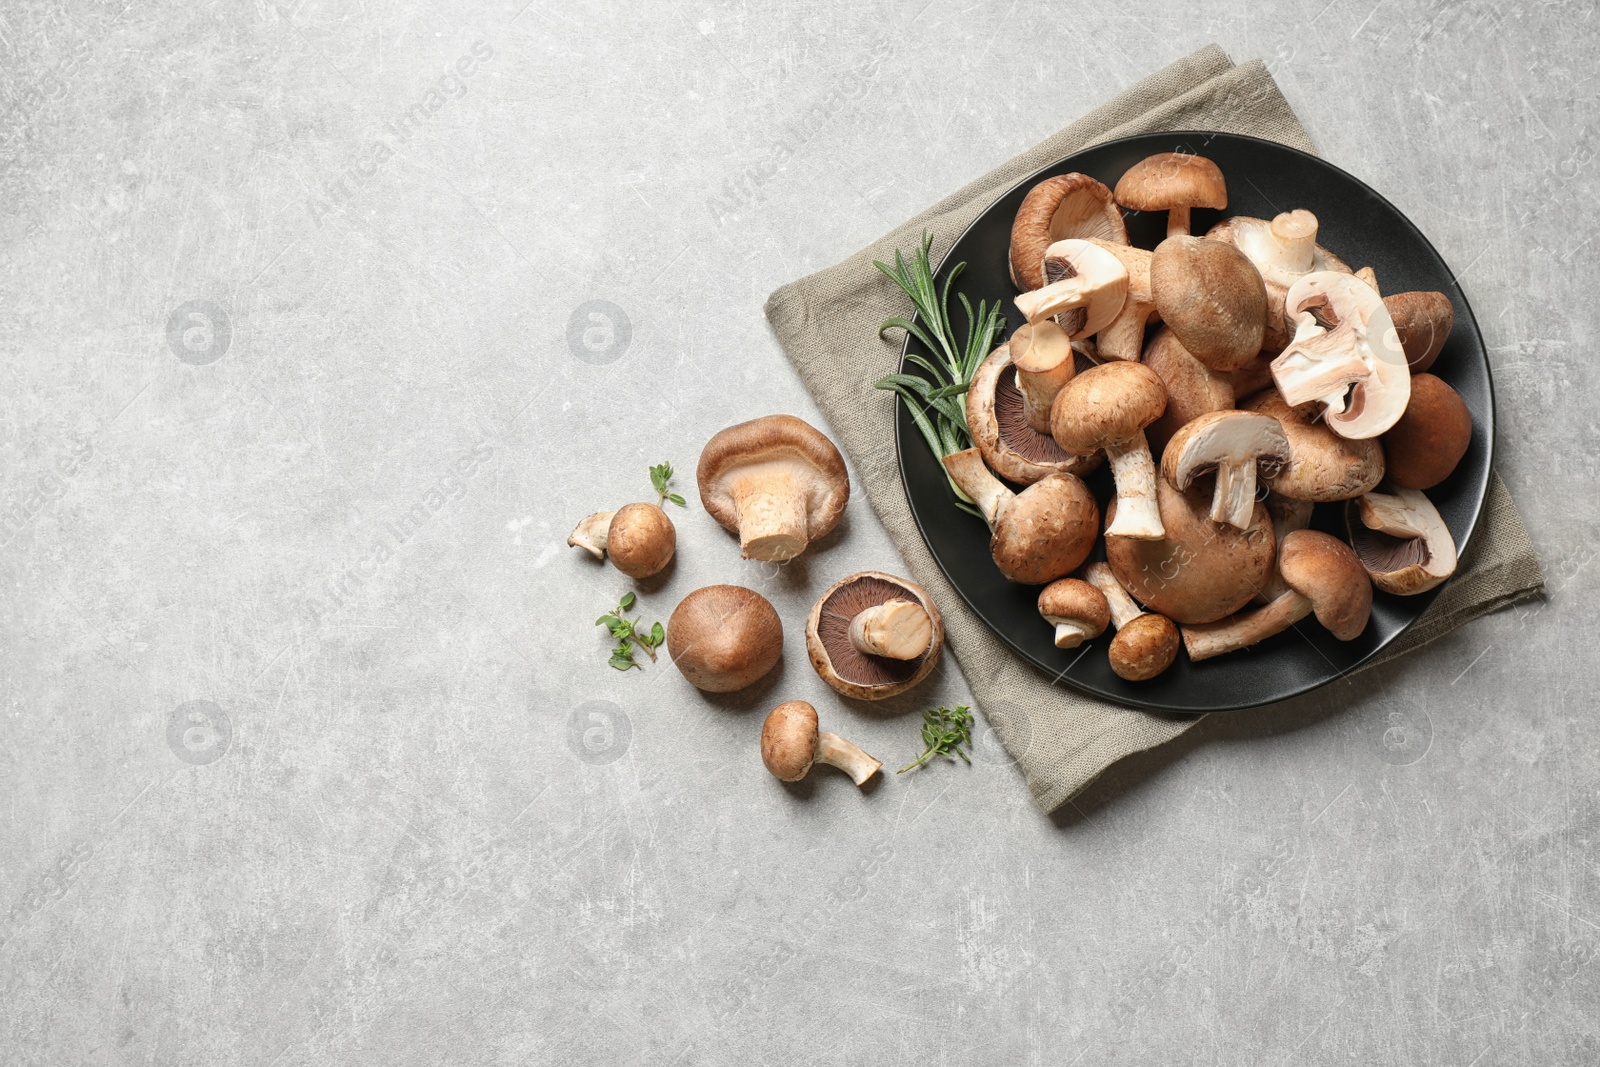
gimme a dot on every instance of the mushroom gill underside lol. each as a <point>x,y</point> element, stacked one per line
<point>833,630</point>
<point>1383,553</point>
<point>1012,418</point>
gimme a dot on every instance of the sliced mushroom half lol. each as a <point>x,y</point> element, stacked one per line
<point>1086,287</point>
<point>1401,540</point>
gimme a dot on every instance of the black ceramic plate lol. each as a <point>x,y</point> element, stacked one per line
<point>1360,227</point>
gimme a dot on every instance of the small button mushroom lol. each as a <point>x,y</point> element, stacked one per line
<point>1066,206</point>
<point>1424,322</point>
<point>1146,644</point>
<point>1212,297</point>
<point>1231,443</point>
<point>1287,516</point>
<point>775,481</point>
<point>1076,609</point>
<point>1345,354</point>
<point>1424,446</point>
<point>1123,337</point>
<point>639,539</point>
<point>1086,287</point>
<point>1199,571</point>
<point>724,637</point>
<point>1323,575</point>
<point>791,745</point>
<point>1105,409</point>
<point>1283,251</point>
<point>1173,182</point>
<point>997,419</point>
<point>872,635</point>
<point>1401,541</point>
<point>1322,465</point>
<point>1193,389</point>
<point>1038,535</point>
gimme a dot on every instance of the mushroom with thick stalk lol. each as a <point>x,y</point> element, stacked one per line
<point>1283,251</point>
<point>1322,465</point>
<point>1105,409</point>
<point>1401,541</point>
<point>1193,389</point>
<point>997,419</point>
<point>1086,287</point>
<point>1231,443</point>
<point>1173,182</point>
<point>1345,354</point>
<point>775,481</point>
<point>1212,297</point>
<point>1287,517</point>
<point>1424,446</point>
<point>639,539</point>
<point>724,637</point>
<point>1123,337</point>
<point>1066,206</point>
<point>1323,575</point>
<point>1076,609</point>
<point>1037,535</point>
<point>791,744</point>
<point>1423,321</point>
<point>873,636</point>
<point>1146,643</point>
<point>1199,571</point>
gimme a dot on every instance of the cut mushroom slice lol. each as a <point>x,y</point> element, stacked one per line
<point>1193,389</point>
<point>1423,322</point>
<point>1345,354</point>
<point>1231,443</point>
<point>1323,575</point>
<point>1322,465</point>
<point>1173,182</point>
<point>1401,541</point>
<point>1038,535</point>
<point>1105,409</point>
<point>1287,517</point>
<point>1146,644</point>
<point>1087,285</point>
<point>1066,206</point>
<point>1424,446</point>
<point>873,636</point>
<point>775,481</point>
<point>1212,297</point>
<point>997,419</point>
<point>1283,251</point>
<point>791,744</point>
<point>1123,337</point>
<point>1076,609</point>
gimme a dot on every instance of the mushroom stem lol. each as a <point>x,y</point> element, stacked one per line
<point>1294,240</point>
<point>1042,355</point>
<point>968,471</point>
<point>1316,366</point>
<point>835,751</point>
<point>1245,629</point>
<point>1178,222</point>
<point>1068,294</point>
<point>1287,517</point>
<point>1138,517</point>
<point>1070,634</point>
<point>895,629</point>
<point>772,521</point>
<point>1123,608</point>
<point>1233,501</point>
<point>590,534</point>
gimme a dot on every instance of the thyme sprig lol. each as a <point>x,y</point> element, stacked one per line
<point>628,635</point>
<point>943,733</point>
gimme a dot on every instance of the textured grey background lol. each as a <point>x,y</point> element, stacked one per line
<point>291,779</point>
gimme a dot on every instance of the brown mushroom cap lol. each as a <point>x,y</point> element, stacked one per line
<point>1047,531</point>
<point>1144,648</point>
<point>1423,321</point>
<point>1322,465</point>
<point>789,740</point>
<point>1212,297</point>
<point>1253,376</point>
<point>1000,430</point>
<point>1423,448</point>
<point>724,637</point>
<point>1401,540</point>
<point>776,481</point>
<point>1264,243</point>
<point>1193,389</point>
<point>1078,604</point>
<point>641,540</point>
<point>1171,180</point>
<point>1200,571</point>
<point>1325,571</point>
<point>1106,405</point>
<point>1057,209</point>
<point>847,669</point>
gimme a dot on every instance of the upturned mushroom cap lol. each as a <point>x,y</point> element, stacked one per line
<point>641,540</point>
<point>1199,571</point>
<point>776,481</point>
<point>789,740</point>
<point>1144,648</point>
<point>997,418</point>
<point>1322,465</point>
<point>1345,355</point>
<point>724,637</point>
<point>1325,571</point>
<point>1193,389</point>
<point>1401,540</point>
<point>1173,182</point>
<point>1106,405</point>
<point>1423,448</point>
<point>1076,609</point>
<point>838,659</point>
<point>1283,250</point>
<point>1423,322</point>
<point>1066,206</point>
<point>1211,297</point>
<point>1231,443</point>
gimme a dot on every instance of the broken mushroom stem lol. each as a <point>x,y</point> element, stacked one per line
<point>1042,355</point>
<point>590,534</point>
<point>895,629</point>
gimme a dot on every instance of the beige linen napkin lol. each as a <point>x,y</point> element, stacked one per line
<point>828,326</point>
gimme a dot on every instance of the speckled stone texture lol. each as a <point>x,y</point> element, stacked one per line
<point>324,323</point>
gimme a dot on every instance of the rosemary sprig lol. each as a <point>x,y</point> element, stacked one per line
<point>943,733</point>
<point>660,476</point>
<point>626,631</point>
<point>936,400</point>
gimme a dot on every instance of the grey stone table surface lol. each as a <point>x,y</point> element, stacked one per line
<point>310,752</point>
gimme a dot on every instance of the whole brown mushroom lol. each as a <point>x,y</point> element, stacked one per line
<point>791,744</point>
<point>1038,535</point>
<point>1423,448</point>
<point>724,637</point>
<point>1105,409</point>
<point>1193,389</point>
<point>873,635</point>
<point>1146,644</point>
<point>639,539</point>
<point>1423,321</point>
<point>1173,182</point>
<point>1212,297</point>
<point>1322,465</point>
<point>1076,609</point>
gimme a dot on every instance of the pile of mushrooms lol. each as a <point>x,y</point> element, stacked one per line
<point>1234,382</point>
